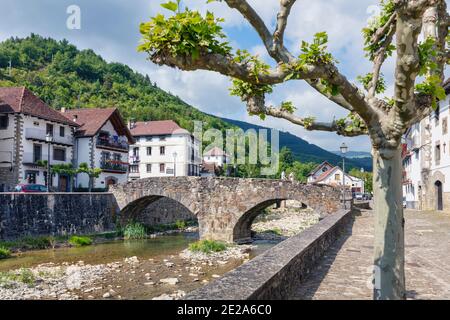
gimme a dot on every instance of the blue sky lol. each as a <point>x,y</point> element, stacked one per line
<point>111,28</point>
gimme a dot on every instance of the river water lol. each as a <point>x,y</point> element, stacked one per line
<point>131,282</point>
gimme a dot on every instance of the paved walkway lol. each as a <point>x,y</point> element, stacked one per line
<point>345,271</point>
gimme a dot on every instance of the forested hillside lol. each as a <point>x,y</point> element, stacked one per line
<point>64,76</point>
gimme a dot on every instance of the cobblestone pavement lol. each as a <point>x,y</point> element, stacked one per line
<point>345,270</point>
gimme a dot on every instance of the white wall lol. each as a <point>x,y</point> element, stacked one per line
<point>7,141</point>
<point>179,143</point>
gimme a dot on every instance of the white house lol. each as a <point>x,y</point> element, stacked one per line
<point>328,174</point>
<point>426,160</point>
<point>102,141</point>
<point>163,149</point>
<point>25,123</point>
<point>216,156</point>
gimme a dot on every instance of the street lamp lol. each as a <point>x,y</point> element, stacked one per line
<point>344,150</point>
<point>174,163</point>
<point>49,139</point>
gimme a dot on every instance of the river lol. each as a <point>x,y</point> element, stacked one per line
<point>158,258</point>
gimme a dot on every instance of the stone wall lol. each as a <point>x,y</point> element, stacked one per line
<point>161,211</point>
<point>277,272</point>
<point>55,214</point>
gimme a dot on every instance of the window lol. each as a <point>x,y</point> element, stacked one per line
<point>436,116</point>
<point>149,167</point>
<point>149,151</point>
<point>444,125</point>
<point>135,152</point>
<point>36,124</point>
<point>37,152</point>
<point>117,157</point>
<point>105,157</point>
<point>337,177</point>
<point>61,131</point>
<point>324,169</point>
<point>59,154</point>
<point>437,153</point>
<point>162,150</point>
<point>4,122</point>
<point>162,167</point>
<point>134,168</point>
<point>49,129</point>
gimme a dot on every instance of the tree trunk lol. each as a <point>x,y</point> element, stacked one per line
<point>389,260</point>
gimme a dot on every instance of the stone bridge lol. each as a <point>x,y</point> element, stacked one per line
<point>225,207</point>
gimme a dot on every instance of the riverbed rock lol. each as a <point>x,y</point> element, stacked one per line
<point>171,281</point>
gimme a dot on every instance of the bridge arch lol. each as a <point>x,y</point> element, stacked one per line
<point>225,207</point>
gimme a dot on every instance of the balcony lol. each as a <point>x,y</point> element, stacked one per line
<point>29,159</point>
<point>114,166</point>
<point>107,142</point>
<point>40,134</point>
<point>134,159</point>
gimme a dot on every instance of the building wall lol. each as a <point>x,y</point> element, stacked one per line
<point>88,151</point>
<point>218,160</point>
<point>319,172</point>
<point>428,146</point>
<point>181,144</point>
<point>34,127</point>
<point>8,165</point>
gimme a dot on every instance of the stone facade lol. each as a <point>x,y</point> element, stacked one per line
<point>285,265</point>
<point>55,214</point>
<point>224,207</point>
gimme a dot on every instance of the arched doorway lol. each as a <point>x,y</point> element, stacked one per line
<point>110,181</point>
<point>439,194</point>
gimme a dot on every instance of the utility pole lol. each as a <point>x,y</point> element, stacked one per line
<point>10,67</point>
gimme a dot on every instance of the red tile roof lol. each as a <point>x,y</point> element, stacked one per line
<point>22,100</point>
<point>92,120</point>
<point>154,128</point>
<point>320,166</point>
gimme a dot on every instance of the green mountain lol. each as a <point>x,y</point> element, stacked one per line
<point>305,151</point>
<point>64,76</point>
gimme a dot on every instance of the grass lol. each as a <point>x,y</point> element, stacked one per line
<point>134,231</point>
<point>276,231</point>
<point>4,253</point>
<point>30,243</point>
<point>80,241</point>
<point>23,275</point>
<point>207,246</point>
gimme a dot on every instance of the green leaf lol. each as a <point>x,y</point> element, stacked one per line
<point>172,6</point>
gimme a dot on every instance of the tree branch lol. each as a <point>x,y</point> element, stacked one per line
<point>384,30</point>
<point>282,17</point>
<point>379,59</point>
<point>227,66</point>
<point>256,105</point>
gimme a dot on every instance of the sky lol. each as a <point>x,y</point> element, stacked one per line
<point>111,29</point>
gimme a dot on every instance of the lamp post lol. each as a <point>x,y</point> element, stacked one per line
<point>344,150</point>
<point>49,140</point>
<point>174,163</point>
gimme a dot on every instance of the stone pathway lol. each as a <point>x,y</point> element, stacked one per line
<point>345,270</point>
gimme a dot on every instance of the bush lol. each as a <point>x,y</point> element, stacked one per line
<point>180,224</point>
<point>23,275</point>
<point>207,246</point>
<point>134,231</point>
<point>80,241</point>
<point>4,253</point>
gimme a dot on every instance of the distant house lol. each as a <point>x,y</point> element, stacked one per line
<point>102,141</point>
<point>326,173</point>
<point>163,149</point>
<point>210,170</point>
<point>216,156</point>
<point>26,122</point>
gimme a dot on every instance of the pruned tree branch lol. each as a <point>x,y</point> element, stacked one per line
<point>380,57</point>
<point>227,66</point>
<point>282,18</point>
<point>256,105</point>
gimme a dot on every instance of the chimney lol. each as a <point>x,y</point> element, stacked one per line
<point>131,124</point>
<point>75,118</point>
<point>63,109</point>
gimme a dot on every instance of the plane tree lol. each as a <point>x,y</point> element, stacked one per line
<point>189,40</point>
